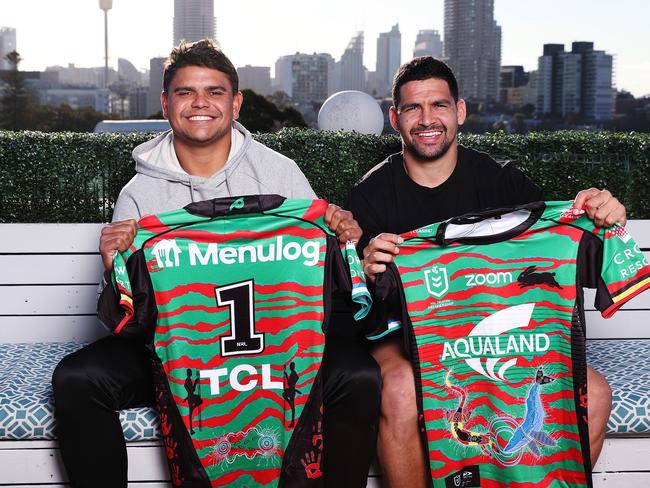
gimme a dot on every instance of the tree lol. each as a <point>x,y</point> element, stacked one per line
<point>15,101</point>
<point>259,114</point>
<point>65,118</point>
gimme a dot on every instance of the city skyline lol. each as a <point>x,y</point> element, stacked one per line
<point>297,27</point>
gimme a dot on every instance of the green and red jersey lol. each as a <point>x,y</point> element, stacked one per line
<point>233,296</point>
<point>493,304</point>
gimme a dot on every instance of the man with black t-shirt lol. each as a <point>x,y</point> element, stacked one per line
<point>431,180</point>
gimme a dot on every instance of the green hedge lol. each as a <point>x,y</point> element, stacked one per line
<point>73,177</point>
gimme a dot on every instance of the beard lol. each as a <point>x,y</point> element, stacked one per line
<point>424,152</point>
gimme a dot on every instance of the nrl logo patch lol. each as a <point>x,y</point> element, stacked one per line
<point>437,281</point>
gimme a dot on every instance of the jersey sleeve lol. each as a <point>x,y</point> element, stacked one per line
<point>360,293</point>
<point>389,309</point>
<point>616,267</point>
<point>127,306</point>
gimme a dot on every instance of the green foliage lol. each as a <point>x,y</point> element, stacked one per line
<point>74,177</point>
<point>47,118</point>
<point>259,114</point>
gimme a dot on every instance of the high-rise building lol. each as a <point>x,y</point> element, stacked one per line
<point>575,82</point>
<point>7,45</point>
<point>511,77</point>
<point>428,43</point>
<point>138,102</point>
<point>194,20</point>
<point>352,74</point>
<point>566,92</point>
<point>472,47</point>
<point>310,77</point>
<point>598,94</point>
<point>256,78</point>
<point>156,66</point>
<point>389,55</point>
<point>283,80</point>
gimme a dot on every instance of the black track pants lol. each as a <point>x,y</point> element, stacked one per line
<point>111,374</point>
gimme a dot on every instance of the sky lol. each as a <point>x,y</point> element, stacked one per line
<point>257,32</point>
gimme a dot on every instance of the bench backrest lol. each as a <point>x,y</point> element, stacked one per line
<point>49,276</point>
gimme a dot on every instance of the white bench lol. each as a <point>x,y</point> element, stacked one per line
<point>48,286</point>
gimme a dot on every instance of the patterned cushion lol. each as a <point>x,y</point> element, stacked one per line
<point>625,363</point>
<point>26,394</point>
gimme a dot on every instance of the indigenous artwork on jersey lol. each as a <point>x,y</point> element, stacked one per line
<point>494,314</point>
<point>233,297</point>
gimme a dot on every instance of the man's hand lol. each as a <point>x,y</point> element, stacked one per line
<point>342,223</point>
<point>378,253</point>
<point>601,207</point>
<point>117,236</point>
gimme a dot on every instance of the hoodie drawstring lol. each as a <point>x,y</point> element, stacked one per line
<point>227,184</point>
<point>192,190</point>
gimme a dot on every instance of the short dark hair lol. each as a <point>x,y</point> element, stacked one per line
<point>204,53</point>
<point>423,68</point>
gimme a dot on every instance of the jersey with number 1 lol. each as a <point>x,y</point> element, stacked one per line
<point>233,297</point>
<point>495,324</point>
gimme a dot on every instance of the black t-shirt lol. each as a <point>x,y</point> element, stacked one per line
<point>388,200</point>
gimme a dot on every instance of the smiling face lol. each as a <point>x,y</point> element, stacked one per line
<point>200,106</point>
<point>427,118</point>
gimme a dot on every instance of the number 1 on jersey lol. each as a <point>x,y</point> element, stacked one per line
<point>242,339</point>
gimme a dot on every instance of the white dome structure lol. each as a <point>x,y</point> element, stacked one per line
<point>352,111</point>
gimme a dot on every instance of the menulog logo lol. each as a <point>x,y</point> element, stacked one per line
<point>167,253</point>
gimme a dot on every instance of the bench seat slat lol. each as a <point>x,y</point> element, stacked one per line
<point>49,238</point>
<point>52,328</point>
<point>640,231</point>
<point>48,269</point>
<point>625,324</point>
<point>56,300</point>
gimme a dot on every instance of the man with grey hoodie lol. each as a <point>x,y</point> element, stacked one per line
<point>206,155</point>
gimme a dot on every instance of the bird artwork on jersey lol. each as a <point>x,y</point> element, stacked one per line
<point>232,297</point>
<point>491,309</point>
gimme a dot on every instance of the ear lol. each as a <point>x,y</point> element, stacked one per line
<point>236,104</point>
<point>164,101</point>
<point>461,111</point>
<point>393,118</point>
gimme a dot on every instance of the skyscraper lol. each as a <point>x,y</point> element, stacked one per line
<point>194,20</point>
<point>575,82</point>
<point>598,94</point>
<point>511,77</point>
<point>428,43</point>
<point>310,77</point>
<point>155,85</point>
<point>7,45</point>
<point>256,78</point>
<point>352,72</point>
<point>389,58</point>
<point>283,74</point>
<point>473,47</point>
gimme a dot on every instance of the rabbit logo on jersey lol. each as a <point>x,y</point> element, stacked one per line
<point>485,347</point>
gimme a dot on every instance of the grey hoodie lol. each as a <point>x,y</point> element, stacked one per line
<point>253,169</point>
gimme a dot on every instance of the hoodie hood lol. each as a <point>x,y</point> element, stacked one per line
<point>156,159</point>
